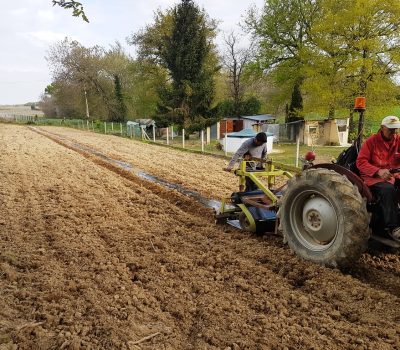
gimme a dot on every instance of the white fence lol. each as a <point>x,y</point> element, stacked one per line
<point>18,118</point>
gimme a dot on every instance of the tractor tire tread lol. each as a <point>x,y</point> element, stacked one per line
<point>352,214</point>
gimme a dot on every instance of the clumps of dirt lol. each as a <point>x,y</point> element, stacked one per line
<point>93,259</point>
<point>197,172</point>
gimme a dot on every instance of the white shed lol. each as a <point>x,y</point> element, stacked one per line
<point>234,140</point>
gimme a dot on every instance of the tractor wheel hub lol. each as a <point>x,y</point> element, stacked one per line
<point>319,219</point>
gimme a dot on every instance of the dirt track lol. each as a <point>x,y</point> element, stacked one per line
<point>91,259</point>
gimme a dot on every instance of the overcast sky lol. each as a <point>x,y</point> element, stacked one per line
<point>29,27</point>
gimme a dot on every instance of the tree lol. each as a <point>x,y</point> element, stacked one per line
<point>234,62</point>
<point>296,102</point>
<point>77,8</point>
<point>119,113</point>
<point>115,66</point>
<point>117,86</point>
<point>145,80</point>
<point>180,41</point>
<point>47,105</point>
<point>371,34</point>
<point>185,54</point>
<point>329,51</point>
<point>227,108</point>
<point>49,89</point>
<point>356,52</point>
<point>151,40</point>
<point>283,34</point>
<point>77,69</point>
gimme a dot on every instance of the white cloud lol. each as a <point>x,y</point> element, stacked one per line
<point>29,27</point>
<point>47,15</point>
<point>19,12</point>
<point>47,36</point>
<point>44,37</point>
<point>21,69</point>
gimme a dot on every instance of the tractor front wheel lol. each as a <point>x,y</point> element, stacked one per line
<point>324,218</point>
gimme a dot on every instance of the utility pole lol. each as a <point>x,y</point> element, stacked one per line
<point>87,106</point>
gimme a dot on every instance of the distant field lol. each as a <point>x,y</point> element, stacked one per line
<point>19,110</point>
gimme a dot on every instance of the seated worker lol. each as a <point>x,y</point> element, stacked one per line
<point>255,147</point>
<point>378,154</point>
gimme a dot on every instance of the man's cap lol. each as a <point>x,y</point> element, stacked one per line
<point>391,122</point>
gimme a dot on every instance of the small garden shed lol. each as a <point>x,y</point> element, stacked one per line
<point>255,122</point>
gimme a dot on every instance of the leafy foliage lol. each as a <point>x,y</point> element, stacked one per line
<point>296,104</point>
<point>283,33</point>
<point>150,41</point>
<point>329,51</point>
<point>180,41</point>
<point>77,8</point>
<point>229,108</point>
<point>190,95</point>
<point>311,57</point>
<point>77,69</point>
<point>119,113</point>
<point>356,50</point>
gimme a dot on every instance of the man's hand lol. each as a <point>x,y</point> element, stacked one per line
<point>384,174</point>
<point>228,169</point>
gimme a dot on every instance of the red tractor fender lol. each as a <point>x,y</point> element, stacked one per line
<point>352,177</point>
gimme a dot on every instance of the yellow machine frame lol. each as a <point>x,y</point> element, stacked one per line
<point>271,171</point>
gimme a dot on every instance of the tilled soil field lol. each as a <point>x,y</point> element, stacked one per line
<point>198,172</point>
<point>93,257</point>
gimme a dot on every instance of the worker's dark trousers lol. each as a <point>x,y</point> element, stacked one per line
<point>250,185</point>
<point>386,210</point>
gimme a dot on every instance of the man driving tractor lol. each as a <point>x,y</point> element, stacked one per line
<point>379,154</point>
<point>325,209</point>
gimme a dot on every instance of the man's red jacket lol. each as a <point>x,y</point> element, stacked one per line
<point>375,154</point>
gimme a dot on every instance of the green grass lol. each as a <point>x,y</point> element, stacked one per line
<point>286,153</point>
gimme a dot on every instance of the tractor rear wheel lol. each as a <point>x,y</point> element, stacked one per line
<point>324,218</point>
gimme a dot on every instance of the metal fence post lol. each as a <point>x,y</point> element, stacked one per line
<point>183,138</point>
<point>167,135</point>
<point>202,140</point>
<point>226,139</point>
